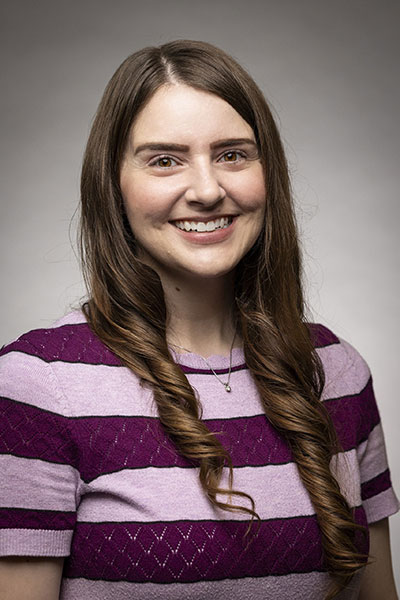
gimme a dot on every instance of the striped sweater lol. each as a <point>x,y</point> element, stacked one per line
<point>88,474</point>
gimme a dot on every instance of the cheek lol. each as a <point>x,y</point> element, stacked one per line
<point>143,200</point>
<point>257,189</point>
<point>249,189</point>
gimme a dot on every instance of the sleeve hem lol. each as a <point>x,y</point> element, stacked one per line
<point>35,542</point>
<point>381,506</point>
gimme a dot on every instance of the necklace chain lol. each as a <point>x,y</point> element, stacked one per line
<point>226,383</point>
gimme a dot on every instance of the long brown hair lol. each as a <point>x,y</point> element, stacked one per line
<point>126,306</point>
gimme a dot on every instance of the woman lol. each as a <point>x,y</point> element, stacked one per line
<point>169,440</point>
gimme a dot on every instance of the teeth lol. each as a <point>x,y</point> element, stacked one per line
<point>210,226</point>
<point>201,226</point>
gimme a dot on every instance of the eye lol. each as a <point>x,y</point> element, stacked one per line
<point>232,156</point>
<point>164,162</point>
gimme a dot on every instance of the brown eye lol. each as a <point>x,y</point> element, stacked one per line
<point>230,157</point>
<point>165,161</point>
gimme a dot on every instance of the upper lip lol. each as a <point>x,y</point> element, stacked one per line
<point>204,219</point>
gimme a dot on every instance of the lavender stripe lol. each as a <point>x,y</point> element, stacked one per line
<point>68,343</point>
<point>20,518</point>
<point>193,551</point>
<point>35,542</point>
<point>176,494</point>
<point>381,506</point>
<point>346,372</point>
<point>26,484</point>
<point>106,391</point>
<point>375,486</point>
<point>109,391</point>
<point>71,318</point>
<point>371,454</point>
<point>276,490</point>
<point>312,586</point>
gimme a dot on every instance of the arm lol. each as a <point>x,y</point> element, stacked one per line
<point>378,580</point>
<point>30,578</point>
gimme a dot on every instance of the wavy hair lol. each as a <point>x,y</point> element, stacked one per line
<point>127,310</point>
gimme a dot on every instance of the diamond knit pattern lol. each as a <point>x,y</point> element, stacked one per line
<point>30,432</point>
<point>191,551</point>
<point>69,343</point>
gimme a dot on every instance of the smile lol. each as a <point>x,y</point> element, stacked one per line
<point>204,226</point>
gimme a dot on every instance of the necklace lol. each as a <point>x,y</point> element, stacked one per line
<point>224,383</point>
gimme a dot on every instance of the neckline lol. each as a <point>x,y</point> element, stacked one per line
<point>190,359</point>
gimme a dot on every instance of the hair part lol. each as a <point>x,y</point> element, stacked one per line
<point>127,310</point>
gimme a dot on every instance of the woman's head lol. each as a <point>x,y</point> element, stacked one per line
<point>107,235</point>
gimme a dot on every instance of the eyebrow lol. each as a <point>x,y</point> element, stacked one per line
<point>167,147</point>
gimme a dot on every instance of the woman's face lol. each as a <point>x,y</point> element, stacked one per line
<point>192,184</point>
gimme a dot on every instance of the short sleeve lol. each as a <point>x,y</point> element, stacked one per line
<point>350,399</point>
<point>40,482</point>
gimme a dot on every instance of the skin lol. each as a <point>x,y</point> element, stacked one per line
<point>208,175</point>
<point>28,578</point>
<point>204,180</point>
<point>378,580</point>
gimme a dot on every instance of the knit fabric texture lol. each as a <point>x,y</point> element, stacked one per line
<point>89,474</point>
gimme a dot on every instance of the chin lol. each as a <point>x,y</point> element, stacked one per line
<point>211,273</point>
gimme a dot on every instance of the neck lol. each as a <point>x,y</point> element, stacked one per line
<point>200,315</point>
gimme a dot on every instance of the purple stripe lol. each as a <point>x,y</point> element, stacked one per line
<point>322,336</point>
<point>21,518</point>
<point>375,486</point>
<point>106,443</point>
<point>189,551</point>
<point>354,417</point>
<point>34,433</point>
<point>68,343</point>
<point>198,371</point>
<point>141,441</point>
<point>77,343</point>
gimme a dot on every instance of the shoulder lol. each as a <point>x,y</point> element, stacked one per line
<point>348,393</point>
<point>37,368</point>
<point>346,371</point>
<point>69,339</point>
<point>67,370</point>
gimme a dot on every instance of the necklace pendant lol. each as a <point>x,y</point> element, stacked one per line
<point>227,387</point>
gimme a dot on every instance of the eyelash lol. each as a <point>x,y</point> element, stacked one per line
<point>153,163</point>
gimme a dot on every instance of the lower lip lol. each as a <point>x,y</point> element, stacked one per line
<point>207,237</point>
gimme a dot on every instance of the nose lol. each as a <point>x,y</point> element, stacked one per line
<point>204,188</point>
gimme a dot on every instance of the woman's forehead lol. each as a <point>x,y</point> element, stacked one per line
<point>180,111</point>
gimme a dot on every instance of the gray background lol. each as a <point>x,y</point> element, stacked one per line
<point>330,70</point>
